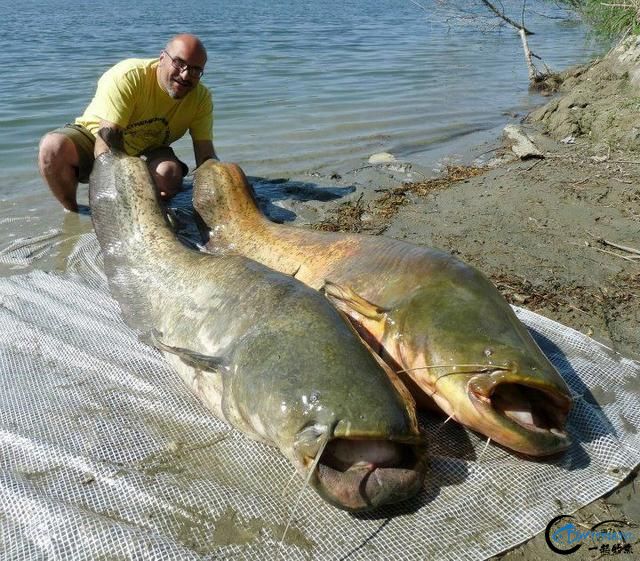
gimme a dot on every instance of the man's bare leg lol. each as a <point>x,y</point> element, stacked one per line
<point>58,162</point>
<point>167,176</point>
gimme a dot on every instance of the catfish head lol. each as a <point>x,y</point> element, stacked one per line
<point>359,471</point>
<point>334,409</point>
<point>456,342</point>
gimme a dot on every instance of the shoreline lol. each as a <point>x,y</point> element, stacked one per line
<point>548,231</point>
<point>558,235</point>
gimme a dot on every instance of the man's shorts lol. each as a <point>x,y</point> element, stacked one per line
<point>84,142</point>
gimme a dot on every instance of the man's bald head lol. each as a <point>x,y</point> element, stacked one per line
<point>189,46</point>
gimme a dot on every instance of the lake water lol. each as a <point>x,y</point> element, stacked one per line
<point>300,87</point>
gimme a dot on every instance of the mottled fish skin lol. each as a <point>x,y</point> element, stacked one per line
<point>266,353</point>
<point>438,322</point>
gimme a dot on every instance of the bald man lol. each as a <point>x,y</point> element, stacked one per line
<point>153,102</point>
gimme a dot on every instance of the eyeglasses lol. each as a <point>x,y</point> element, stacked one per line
<point>181,65</point>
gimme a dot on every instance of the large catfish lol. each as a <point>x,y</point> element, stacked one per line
<point>266,353</point>
<point>437,321</point>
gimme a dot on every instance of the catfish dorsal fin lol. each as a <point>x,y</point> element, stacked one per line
<point>348,300</point>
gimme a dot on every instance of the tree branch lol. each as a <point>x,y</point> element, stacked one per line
<point>502,16</point>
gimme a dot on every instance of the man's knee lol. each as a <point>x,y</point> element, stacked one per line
<point>168,175</point>
<point>57,149</point>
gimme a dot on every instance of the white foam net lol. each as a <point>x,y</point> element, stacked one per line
<point>104,454</point>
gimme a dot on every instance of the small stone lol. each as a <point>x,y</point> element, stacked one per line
<point>382,158</point>
<point>522,146</point>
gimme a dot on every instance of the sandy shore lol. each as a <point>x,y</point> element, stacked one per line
<point>558,234</point>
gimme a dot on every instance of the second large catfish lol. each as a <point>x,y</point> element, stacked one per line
<point>439,322</point>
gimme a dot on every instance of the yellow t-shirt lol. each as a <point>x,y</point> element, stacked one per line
<point>129,96</point>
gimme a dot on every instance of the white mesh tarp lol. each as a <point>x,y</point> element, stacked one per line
<point>104,454</point>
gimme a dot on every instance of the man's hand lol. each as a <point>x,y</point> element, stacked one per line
<point>101,146</point>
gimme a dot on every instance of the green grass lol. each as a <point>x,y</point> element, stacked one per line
<point>610,20</point>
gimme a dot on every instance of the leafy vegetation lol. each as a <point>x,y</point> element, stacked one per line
<point>610,17</point>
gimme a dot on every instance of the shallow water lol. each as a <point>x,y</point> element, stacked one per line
<point>303,89</point>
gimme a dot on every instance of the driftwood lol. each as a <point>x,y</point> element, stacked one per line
<point>522,146</point>
<point>533,73</point>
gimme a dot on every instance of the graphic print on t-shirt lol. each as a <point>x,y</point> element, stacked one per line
<point>149,133</point>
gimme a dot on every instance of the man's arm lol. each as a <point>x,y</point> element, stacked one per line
<point>101,146</point>
<point>203,150</point>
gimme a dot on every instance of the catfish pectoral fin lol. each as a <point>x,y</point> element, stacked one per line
<point>191,358</point>
<point>347,300</point>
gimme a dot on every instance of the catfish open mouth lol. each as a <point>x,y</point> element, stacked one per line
<point>532,408</point>
<point>359,475</point>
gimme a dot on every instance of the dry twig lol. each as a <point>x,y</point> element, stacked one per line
<point>617,246</point>
<point>616,254</point>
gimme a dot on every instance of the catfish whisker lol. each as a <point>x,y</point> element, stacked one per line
<point>288,484</point>
<point>314,465</point>
<point>484,449</point>
<point>468,373</point>
<point>458,374</point>
<point>484,367</point>
<point>443,424</point>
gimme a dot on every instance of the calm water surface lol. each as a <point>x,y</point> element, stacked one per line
<point>299,87</point>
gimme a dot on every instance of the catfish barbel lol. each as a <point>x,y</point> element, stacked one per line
<point>267,354</point>
<point>438,322</point>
